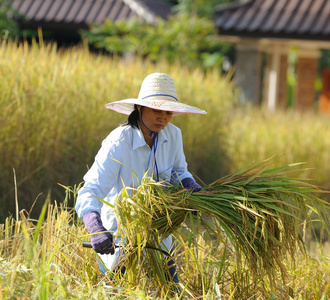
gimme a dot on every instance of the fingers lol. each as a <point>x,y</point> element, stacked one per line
<point>107,248</point>
<point>112,249</point>
<point>102,243</point>
<point>197,189</point>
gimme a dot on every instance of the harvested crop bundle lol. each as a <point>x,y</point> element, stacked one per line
<point>260,210</point>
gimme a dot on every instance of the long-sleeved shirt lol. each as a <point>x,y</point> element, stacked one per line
<point>123,158</point>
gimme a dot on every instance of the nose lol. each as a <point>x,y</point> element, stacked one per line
<point>163,115</point>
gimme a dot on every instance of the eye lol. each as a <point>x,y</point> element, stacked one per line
<point>170,113</point>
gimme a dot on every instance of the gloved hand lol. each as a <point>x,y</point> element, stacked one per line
<point>101,242</point>
<point>191,184</point>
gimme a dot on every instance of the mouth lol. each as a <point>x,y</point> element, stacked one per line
<point>159,126</point>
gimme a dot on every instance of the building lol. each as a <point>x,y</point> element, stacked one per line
<point>63,19</point>
<point>269,36</point>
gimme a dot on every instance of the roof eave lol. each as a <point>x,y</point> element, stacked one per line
<point>270,35</point>
<point>73,27</point>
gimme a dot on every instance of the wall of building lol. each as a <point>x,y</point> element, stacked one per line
<point>255,78</point>
<point>282,92</point>
<point>247,72</point>
<point>324,105</point>
<point>306,72</point>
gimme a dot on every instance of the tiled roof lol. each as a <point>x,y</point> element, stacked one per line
<point>297,19</point>
<point>77,14</point>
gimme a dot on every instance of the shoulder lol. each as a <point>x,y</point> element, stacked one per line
<point>172,134</point>
<point>118,139</point>
<point>171,129</point>
<point>119,134</point>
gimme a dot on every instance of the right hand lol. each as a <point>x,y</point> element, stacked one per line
<point>190,184</point>
<point>101,239</point>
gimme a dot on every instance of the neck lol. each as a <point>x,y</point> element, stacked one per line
<point>149,140</point>
<point>148,137</point>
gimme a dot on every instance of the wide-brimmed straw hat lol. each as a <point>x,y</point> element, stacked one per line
<point>157,91</point>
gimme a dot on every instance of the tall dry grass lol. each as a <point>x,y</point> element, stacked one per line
<point>53,117</point>
<point>44,259</point>
<point>255,134</point>
<point>51,125</point>
<point>53,121</point>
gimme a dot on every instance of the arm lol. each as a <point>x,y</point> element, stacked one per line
<point>98,182</point>
<point>181,169</point>
<point>99,179</point>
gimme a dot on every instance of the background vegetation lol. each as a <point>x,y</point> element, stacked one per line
<point>53,121</point>
<point>8,27</point>
<point>188,39</point>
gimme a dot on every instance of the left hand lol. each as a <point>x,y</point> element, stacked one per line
<point>101,238</point>
<point>190,184</point>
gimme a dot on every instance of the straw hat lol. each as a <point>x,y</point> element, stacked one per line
<point>158,92</point>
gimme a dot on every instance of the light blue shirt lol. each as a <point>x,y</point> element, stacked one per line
<point>124,157</point>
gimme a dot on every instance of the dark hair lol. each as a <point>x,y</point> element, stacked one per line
<point>133,118</point>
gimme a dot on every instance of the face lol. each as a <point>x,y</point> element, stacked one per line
<point>154,119</point>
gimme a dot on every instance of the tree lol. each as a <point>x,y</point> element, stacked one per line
<point>191,40</point>
<point>189,36</point>
<point>202,8</point>
<point>8,26</point>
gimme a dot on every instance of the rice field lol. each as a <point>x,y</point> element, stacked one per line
<point>51,125</point>
<point>44,259</point>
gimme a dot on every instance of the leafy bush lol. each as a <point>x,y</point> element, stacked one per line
<point>8,26</point>
<point>191,40</point>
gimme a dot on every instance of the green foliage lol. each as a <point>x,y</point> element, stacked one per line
<point>291,75</point>
<point>187,39</point>
<point>8,26</point>
<point>325,59</point>
<point>202,8</point>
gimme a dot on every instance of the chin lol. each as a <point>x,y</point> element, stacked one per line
<point>157,129</point>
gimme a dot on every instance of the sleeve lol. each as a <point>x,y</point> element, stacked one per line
<point>99,179</point>
<point>180,166</point>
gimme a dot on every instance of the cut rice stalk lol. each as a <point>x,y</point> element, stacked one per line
<point>258,209</point>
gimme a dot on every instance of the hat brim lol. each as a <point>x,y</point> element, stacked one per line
<point>126,106</point>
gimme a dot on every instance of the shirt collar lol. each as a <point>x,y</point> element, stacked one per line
<point>138,139</point>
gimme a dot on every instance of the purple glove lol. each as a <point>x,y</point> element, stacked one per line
<point>190,184</point>
<point>102,242</point>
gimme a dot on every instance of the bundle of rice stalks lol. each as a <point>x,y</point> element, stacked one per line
<point>260,210</point>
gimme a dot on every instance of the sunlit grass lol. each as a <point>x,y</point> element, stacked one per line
<point>53,120</point>
<point>51,125</point>
<point>255,134</point>
<point>53,117</point>
<point>257,213</point>
<point>44,259</point>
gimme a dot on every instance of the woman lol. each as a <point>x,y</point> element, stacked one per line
<point>147,142</point>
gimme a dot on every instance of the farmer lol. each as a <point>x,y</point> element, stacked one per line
<point>146,142</point>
